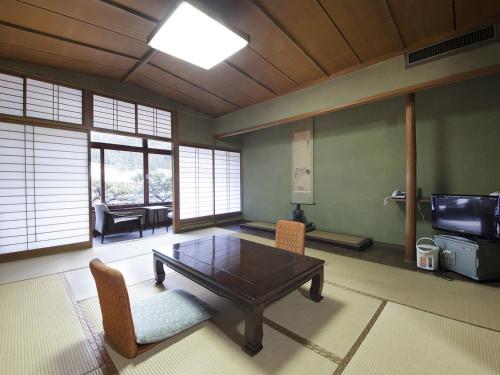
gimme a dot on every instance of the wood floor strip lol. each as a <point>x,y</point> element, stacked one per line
<point>304,342</point>
<point>360,340</point>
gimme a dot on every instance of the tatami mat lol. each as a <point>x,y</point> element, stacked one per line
<point>465,301</point>
<point>30,268</point>
<point>40,331</point>
<point>214,347</point>
<point>412,342</point>
<point>334,323</point>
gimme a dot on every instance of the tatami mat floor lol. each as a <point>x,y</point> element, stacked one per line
<point>374,319</point>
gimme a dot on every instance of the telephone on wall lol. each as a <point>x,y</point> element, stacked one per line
<point>396,194</point>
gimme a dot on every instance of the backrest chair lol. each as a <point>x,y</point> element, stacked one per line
<point>115,308</point>
<point>100,217</point>
<point>290,236</point>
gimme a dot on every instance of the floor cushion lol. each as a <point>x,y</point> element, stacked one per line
<point>165,314</point>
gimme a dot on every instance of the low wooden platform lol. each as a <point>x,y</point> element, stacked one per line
<point>341,240</point>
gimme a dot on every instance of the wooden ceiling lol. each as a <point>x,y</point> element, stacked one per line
<point>293,43</point>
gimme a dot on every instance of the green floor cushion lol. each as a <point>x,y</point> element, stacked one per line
<point>165,314</point>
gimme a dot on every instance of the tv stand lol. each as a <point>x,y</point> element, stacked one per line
<point>477,259</point>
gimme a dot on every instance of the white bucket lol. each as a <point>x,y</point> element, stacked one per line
<point>427,254</point>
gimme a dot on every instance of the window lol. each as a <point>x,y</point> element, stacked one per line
<point>227,182</point>
<point>160,178</point>
<point>118,115</point>
<point>114,114</point>
<point>115,139</point>
<point>11,95</point>
<point>53,102</point>
<point>126,161</point>
<point>209,182</point>
<point>124,178</point>
<point>44,190</point>
<point>160,145</point>
<point>95,172</point>
<point>153,121</point>
<point>196,182</point>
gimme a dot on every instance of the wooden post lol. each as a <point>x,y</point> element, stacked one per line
<point>411,179</point>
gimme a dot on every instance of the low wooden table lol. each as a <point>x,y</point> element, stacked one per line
<point>248,274</point>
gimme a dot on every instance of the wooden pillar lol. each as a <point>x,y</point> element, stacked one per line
<point>411,179</point>
<point>175,177</point>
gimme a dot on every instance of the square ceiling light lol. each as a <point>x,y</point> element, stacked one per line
<point>193,36</point>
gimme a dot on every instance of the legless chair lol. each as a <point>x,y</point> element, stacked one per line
<point>115,308</point>
<point>290,236</point>
<point>131,330</point>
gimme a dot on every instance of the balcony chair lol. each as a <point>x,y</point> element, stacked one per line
<point>107,221</point>
<point>290,236</point>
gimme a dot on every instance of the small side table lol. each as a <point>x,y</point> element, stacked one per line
<point>156,214</point>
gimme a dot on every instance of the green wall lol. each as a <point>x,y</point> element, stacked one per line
<point>359,158</point>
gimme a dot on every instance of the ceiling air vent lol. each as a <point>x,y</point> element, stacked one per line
<point>451,46</point>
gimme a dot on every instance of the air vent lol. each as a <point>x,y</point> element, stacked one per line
<point>455,45</point>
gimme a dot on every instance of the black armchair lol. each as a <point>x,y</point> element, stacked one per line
<point>106,221</point>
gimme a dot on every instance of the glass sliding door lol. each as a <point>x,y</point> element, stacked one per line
<point>124,177</point>
<point>160,178</point>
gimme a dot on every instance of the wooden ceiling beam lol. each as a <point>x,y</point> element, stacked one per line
<point>249,76</point>
<point>340,31</point>
<point>395,25</point>
<point>291,39</point>
<point>130,10</point>
<point>67,40</point>
<point>143,61</point>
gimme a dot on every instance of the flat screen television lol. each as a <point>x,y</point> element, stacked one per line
<point>473,215</point>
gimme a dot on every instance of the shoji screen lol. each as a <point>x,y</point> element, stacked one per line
<point>227,182</point>
<point>13,214</point>
<point>195,182</point>
<point>44,191</point>
<point>114,114</point>
<point>53,102</point>
<point>152,121</point>
<point>11,95</point>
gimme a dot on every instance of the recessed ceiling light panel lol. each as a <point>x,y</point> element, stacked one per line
<point>193,36</point>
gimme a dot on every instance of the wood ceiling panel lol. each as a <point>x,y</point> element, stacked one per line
<point>33,41</point>
<point>10,51</point>
<point>422,21</point>
<point>100,14</point>
<point>266,39</point>
<point>469,14</point>
<point>222,80</point>
<point>39,19</point>
<point>152,8</point>
<point>255,65</point>
<point>178,96</point>
<point>367,25</point>
<point>312,28</point>
<point>217,105</point>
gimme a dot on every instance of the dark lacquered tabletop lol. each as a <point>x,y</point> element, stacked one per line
<point>245,267</point>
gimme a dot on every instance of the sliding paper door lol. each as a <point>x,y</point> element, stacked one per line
<point>13,209</point>
<point>44,193</point>
<point>196,182</point>
<point>227,182</point>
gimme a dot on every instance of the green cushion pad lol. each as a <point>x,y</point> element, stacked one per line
<point>165,314</point>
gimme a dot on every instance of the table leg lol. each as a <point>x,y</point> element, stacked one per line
<point>154,219</point>
<point>253,330</point>
<point>317,286</point>
<point>158,270</point>
<point>166,220</point>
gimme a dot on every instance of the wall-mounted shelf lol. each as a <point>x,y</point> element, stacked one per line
<point>420,200</point>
